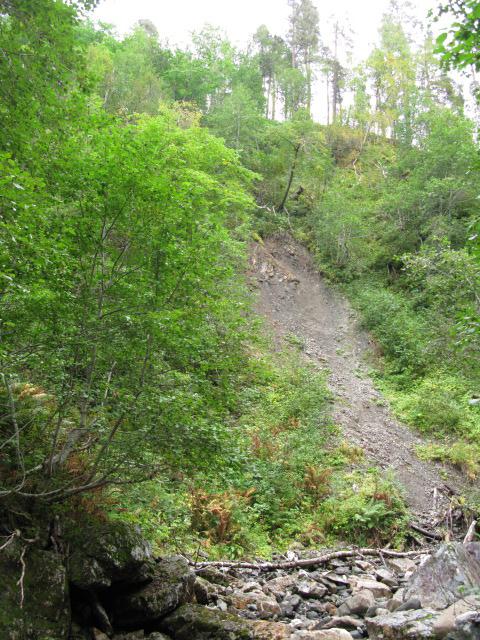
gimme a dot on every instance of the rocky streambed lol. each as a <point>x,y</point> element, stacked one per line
<point>106,584</point>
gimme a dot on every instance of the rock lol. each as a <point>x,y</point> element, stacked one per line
<point>266,607</point>
<point>105,553</point>
<point>445,623</point>
<point>310,589</point>
<point>467,626</point>
<point>134,635</point>
<point>410,604</point>
<point>342,622</point>
<point>378,589</point>
<point>215,576</point>
<point>158,636</point>
<point>452,569</point>
<point>324,634</point>
<point>401,565</point>
<point>270,631</point>
<point>404,625</point>
<point>396,601</point>
<point>278,586</point>
<point>99,635</point>
<point>383,575</point>
<point>46,609</point>
<point>192,621</point>
<point>204,591</point>
<point>171,586</point>
<point>357,604</point>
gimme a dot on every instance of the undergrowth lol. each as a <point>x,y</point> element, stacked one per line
<point>292,478</point>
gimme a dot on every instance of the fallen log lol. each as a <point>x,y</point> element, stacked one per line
<point>426,532</point>
<point>307,562</point>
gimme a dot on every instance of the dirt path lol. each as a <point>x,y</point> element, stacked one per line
<point>295,300</point>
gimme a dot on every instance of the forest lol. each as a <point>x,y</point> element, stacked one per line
<point>138,383</point>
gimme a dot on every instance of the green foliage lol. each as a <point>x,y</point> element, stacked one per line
<point>366,509</point>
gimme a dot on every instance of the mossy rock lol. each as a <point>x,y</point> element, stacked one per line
<point>194,621</point>
<point>45,614</point>
<point>172,586</point>
<point>106,553</point>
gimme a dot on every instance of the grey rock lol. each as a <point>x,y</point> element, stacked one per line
<point>401,565</point>
<point>410,604</point>
<point>386,577</point>
<point>358,604</point>
<point>445,622</point>
<point>454,571</point>
<point>404,625</point>
<point>205,591</point>
<point>310,589</point>
<point>467,626</point>
<point>378,589</point>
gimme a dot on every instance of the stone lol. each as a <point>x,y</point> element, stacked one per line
<point>279,585</point>
<point>383,575</point>
<point>158,636</point>
<point>453,569</point>
<point>343,622</point>
<point>410,604</point>
<point>171,587</point>
<point>404,625</point>
<point>192,621</point>
<point>378,589</point>
<point>205,591</point>
<point>134,635</point>
<point>357,604</point>
<point>105,553</point>
<point>400,565</point>
<point>266,607</point>
<point>396,600</point>
<point>445,623</point>
<point>324,634</point>
<point>467,626</point>
<point>215,576</point>
<point>310,589</point>
<point>46,608</point>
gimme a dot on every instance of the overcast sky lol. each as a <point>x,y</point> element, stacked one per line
<point>176,19</point>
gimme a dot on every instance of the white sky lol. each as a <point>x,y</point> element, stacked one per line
<point>239,19</point>
<point>176,19</point>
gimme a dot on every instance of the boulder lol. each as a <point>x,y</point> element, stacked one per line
<point>171,587</point>
<point>445,623</point>
<point>265,607</point>
<point>324,634</point>
<point>46,610</point>
<point>358,604</point>
<point>401,565</point>
<point>193,621</point>
<point>467,626</point>
<point>310,589</point>
<point>402,625</point>
<point>378,589</point>
<point>453,570</point>
<point>105,553</point>
<point>205,591</point>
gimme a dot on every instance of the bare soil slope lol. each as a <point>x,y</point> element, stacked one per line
<point>296,301</point>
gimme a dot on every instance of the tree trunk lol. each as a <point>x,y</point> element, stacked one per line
<point>290,178</point>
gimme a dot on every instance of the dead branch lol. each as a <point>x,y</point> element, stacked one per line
<point>425,532</point>
<point>470,533</point>
<point>308,562</point>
